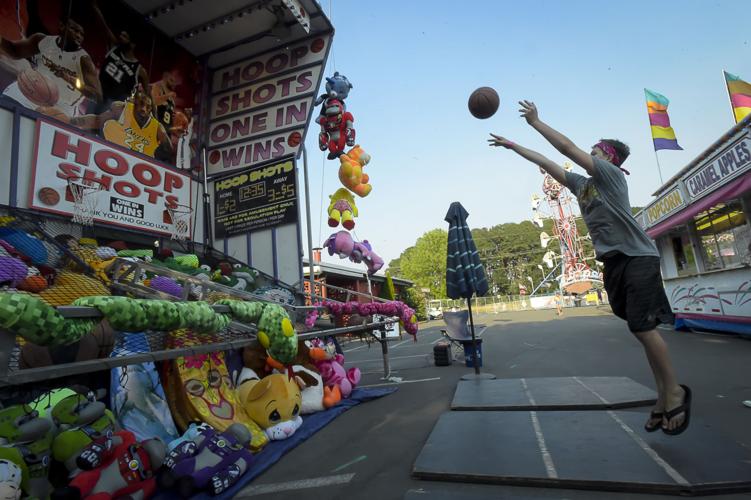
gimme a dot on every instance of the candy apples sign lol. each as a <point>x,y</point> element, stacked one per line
<point>135,190</point>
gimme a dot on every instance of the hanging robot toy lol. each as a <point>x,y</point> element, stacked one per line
<point>334,119</point>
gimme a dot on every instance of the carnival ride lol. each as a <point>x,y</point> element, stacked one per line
<point>572,273</point>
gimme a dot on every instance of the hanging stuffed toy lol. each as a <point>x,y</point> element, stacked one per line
<point>340,244</point>
<point>342,209</point>
<point>334,119</point>
<point>363,252</point>
<point>350,171</point>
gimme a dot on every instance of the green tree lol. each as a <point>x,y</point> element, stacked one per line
<point>425,263</point>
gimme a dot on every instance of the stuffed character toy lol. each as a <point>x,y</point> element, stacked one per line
<point>363,252</point>
<point>115,467</point>
<point>340,244</point>
<point>248,274</point>
<point>273,402</point>
<point>351,174</point>
<point>342,209</point>
<point>26,440</point>
<point>13,271</point>
<point>34,282</point>
<point>209,459</point>
<point>334,374</point>
<point>81,420</point>
<point>10,480</point>
<point>335,121</point>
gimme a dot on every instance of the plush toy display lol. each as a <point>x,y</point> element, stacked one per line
<point>273,402</point>
<point>10,480</point>
<point>81,420</point>
<point>342,209</point>
<point>334,374</point>
<point>363,252</point>
<point>351,174</point>
<point>406,314</point>
<point>335,121</point>
<point>208,459</point>
<point>26,440</point>
<point>340,244</point>
<point>115,467</point>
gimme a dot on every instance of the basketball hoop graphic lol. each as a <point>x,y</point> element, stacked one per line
<point>85,193</point>
<point>179,220</point>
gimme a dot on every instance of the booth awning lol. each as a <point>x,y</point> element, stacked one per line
<point>731,190</point>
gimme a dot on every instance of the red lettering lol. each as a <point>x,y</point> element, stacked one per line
<point>128,189</point>
<point>297,54</point>
<point>278,147</point>
<point>153,195</point>
<point>222,106</point>
<point>220,132</point>
<point>269,89</point>
<point>243,100</point>
<point>106,180</point>
<point>299,114</point>
<point>252,71</point>
<point>285,83</point>
<point>231,157</point>
<point>154,178</point>
<point>305,81</point>
<point>102,159</point>
<point>61,146</point>
<point>259,122</point>
<point>277,63</point>
<point>262,151</point>
<point>279,117</point>
<point>241,127</point>
<point>67,170</point>
<point>230,79</point>
<point>171,200</point>
<point>172,180</point>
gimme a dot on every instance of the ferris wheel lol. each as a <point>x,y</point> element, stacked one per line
<point>575,275</point>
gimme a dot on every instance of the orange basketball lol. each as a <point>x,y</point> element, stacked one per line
<point>37,88</point>
<point>48,196</point>
<point>317,45</point>
<point>214,157</point>
<point>484,102</point>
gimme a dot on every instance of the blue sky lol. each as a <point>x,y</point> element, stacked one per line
<point>584,63</point>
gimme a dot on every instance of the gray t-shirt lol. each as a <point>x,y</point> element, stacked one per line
<point>603,201</point>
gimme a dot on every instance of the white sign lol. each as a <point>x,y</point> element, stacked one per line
<point>390,331</point>
<point>730,163</point>
<point>665,205</point>
<point>261,122</point>
<point>254,152</point>
<point>270,64</point>
<point>135,189</point>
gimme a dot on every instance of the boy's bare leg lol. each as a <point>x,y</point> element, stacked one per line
<point>670,394</point>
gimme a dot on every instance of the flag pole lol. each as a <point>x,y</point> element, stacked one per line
<point>659,170</point>
<point>730,99</point>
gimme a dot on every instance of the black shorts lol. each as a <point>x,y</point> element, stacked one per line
<point>635,291</point>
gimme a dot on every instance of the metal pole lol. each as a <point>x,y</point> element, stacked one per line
<point>311,264</point>
<point>474,339</point>
<point>208,240</point>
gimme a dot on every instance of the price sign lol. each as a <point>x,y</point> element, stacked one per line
<point>255,199</point>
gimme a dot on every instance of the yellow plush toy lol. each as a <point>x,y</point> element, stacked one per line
<point>273,402</point>
<point>342,208</point>
<point>350,171</point>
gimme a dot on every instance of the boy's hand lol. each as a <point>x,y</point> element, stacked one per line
<point>529,111</point>
<point>497,140</point>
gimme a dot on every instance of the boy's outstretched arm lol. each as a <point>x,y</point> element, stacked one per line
<point>559,141</point>
<point>546,164</point>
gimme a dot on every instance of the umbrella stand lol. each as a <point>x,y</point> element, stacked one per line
<point>477,375</point>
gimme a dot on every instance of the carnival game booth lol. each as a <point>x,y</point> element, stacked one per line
<point>700,220</point>
<point>150,250</point>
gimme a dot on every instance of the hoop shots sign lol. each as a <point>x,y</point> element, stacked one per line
<point>255,199</point>
<point>131,191</point>
<point>260,108</point>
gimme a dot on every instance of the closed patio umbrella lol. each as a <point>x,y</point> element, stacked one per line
<point>465,274</point>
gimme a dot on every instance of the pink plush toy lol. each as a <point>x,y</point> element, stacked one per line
<point>340,244</point>
<point>333,374</point>
<point>363,252</point>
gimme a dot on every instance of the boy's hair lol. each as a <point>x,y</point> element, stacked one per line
<point>620,148</point>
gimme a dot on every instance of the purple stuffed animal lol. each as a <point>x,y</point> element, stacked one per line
<point>363,252</point>
<point>340,244</point>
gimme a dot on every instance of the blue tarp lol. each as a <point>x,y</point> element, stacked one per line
<point>272,452</point>
<point>743,329</point>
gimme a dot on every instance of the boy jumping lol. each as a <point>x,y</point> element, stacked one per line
<point>632,263</point>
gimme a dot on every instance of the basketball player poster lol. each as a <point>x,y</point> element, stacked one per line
<point>98,66</point>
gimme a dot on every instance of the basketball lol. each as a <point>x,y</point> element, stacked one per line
<point>484,102</point>
<point>37,88</point>
<point>294,139</point>
<point>317,45</point>
<point>48,196</point>
<point>214,157</point>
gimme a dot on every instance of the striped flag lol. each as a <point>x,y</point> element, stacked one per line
<point>663,135</point>
<point>740,96</point>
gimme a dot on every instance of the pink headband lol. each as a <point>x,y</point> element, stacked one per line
<point>608,149</point>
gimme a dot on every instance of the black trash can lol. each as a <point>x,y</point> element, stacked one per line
<point>469,349</point>
<point>442,354</point>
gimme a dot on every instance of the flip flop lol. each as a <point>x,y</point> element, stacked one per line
<point>654,415</point>
<point>683,408</point>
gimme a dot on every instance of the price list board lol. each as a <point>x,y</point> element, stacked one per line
<point>255,199</point>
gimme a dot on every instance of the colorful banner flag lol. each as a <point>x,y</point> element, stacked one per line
<point>740,96</point>
<point>663,135</point>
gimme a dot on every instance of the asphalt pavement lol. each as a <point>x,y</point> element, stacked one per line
<point>368,451</point>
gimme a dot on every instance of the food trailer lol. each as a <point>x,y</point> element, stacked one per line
<point>700,222</point>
